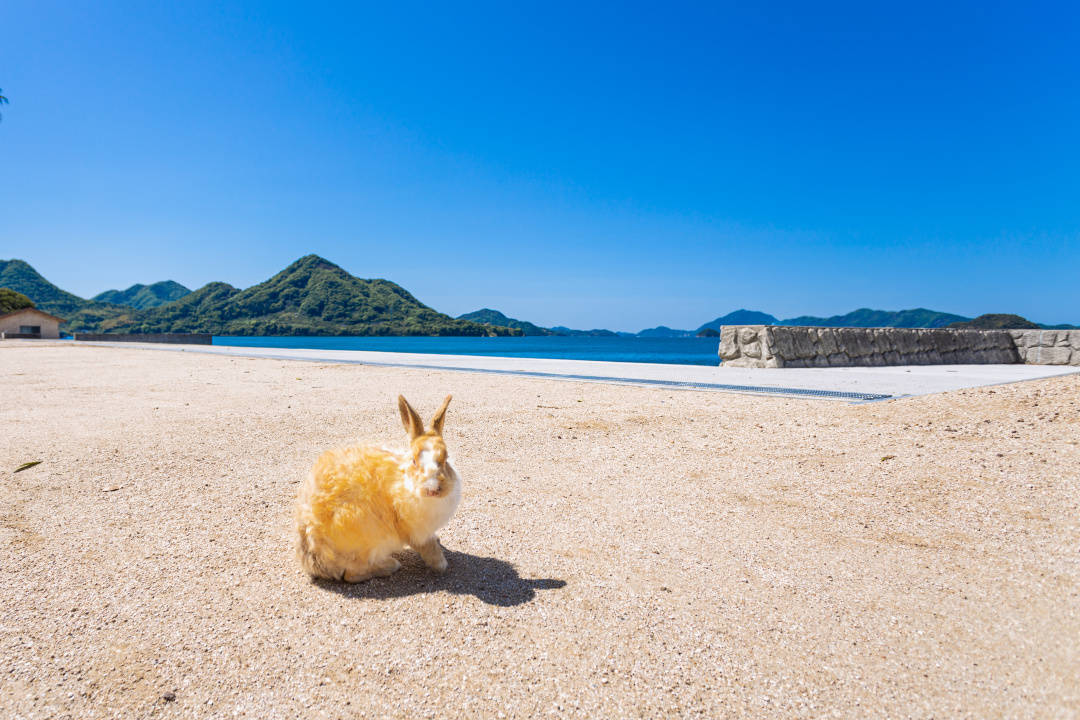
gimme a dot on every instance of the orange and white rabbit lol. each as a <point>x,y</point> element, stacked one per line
<point>359,505</point>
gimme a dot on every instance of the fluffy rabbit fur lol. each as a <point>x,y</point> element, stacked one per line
<point>359,505</point>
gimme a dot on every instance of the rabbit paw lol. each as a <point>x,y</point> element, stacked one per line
<point>352,576</point>
<point>387,568</point>
<point>432,554</point>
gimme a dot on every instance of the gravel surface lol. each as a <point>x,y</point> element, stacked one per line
<point>619,551</point>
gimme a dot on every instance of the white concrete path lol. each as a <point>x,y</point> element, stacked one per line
<point>850,384</point>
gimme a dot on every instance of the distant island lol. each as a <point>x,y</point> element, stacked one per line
<point>495,318</point>
<point>863,317</point>
<point>313,296</point>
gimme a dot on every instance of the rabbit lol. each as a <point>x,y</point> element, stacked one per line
<point>359,505</point>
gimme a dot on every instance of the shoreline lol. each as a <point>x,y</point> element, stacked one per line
<point>851,384</point>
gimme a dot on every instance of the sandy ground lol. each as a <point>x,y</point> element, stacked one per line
<point>619,552</point>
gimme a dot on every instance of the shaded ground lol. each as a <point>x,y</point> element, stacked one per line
<point>619,551</point>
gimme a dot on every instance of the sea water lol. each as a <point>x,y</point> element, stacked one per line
<point>675,351</point>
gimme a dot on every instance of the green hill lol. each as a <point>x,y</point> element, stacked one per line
<point>10,301</point>
<point>740,317</point>
<point>141,296</point>
<point>310,297</point>
<point>198,311</point>
<point>80,315</point>
<point>998,321</point>
<point>487,316</point>
<point>20,277</point>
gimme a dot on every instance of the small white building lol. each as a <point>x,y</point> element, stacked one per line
<point>30,322</point>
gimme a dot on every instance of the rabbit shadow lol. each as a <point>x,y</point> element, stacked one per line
<point>490,580</point>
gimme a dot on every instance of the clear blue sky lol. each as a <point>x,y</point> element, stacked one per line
<point>602,165</point>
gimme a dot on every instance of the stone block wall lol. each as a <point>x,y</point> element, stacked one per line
<point>1047,347</point>
<point>794,347</point>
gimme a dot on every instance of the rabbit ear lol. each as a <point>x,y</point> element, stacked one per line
<point>440,415</point>
<point>409,418</point>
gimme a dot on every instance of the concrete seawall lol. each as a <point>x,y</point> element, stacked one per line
<point>1047,347</point>
<point>767,346</point>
